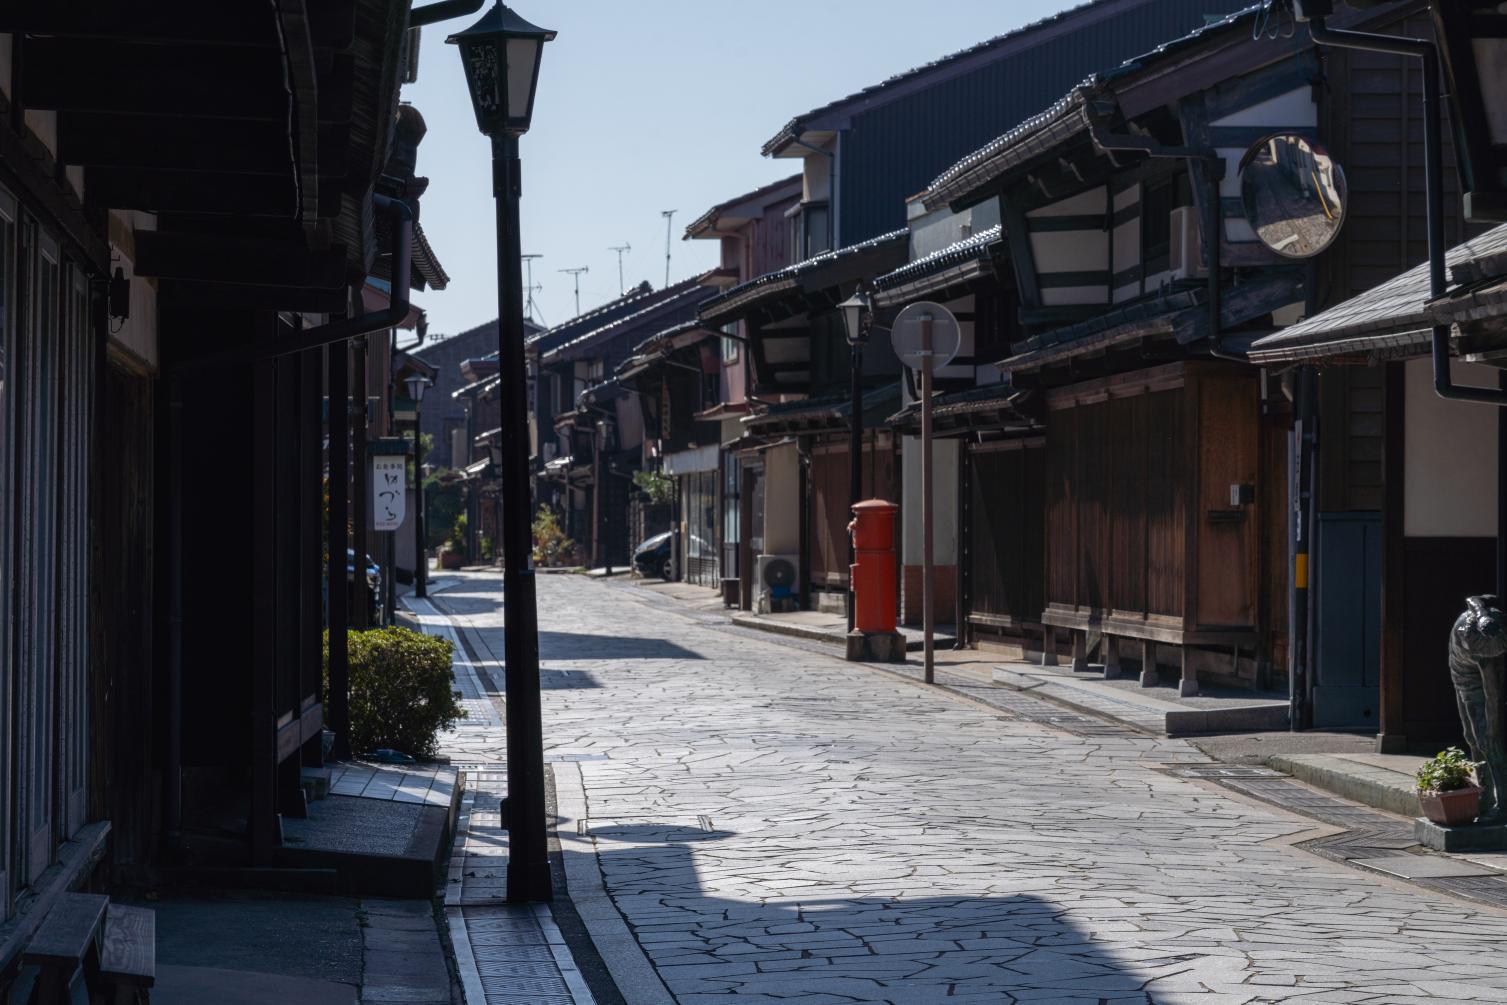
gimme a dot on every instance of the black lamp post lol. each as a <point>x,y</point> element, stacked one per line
<point>501,58</point>
<point>857,318</point>
<point>417,385</point>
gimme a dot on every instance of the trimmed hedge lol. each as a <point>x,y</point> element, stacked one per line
<point>402,691</point>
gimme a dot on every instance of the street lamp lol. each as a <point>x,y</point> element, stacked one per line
<point>417,384</point>
<point>501,57</point>
<point>857,318</point>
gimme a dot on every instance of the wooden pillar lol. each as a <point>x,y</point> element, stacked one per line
<point>311,543</point>
<point>262,827</point>
<point>1148,663</point>
<point>1048,646</point>
<point>1111,649</point>
<point>1080,651</point>
<point>360,489</point>
<point>1392,733</point>
<point>1188,685</point>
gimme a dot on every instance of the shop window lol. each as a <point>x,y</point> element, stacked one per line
<point>7,566</point>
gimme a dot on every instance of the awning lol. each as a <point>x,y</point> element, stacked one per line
<point>991,406</point>
<point>693,461</point>
<point>1391,315</point>
<point>958,263</point>
<point>1180,314</point>
<point>830,268</point>
<point>826,414</point>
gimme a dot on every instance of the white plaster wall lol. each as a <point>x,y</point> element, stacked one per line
<point>1449,456</point>
<point>1070,251</point>
<point>1089,201</point>
<point>817,174</point>
<point>944,512</point>
<point>782,501</point>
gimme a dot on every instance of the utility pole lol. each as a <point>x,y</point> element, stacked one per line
<point>530,309</point>
<point>576,273</point>
<point>667,214</point>
<point>620,248</point>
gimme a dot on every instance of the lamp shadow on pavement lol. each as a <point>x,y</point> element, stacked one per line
<point>867,947</point>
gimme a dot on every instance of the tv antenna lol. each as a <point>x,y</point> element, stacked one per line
<point>667,214</point>
<point>576,273</point>
<point>620,248</point>
<point>530,309</point>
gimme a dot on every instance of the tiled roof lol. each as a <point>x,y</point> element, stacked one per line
<point>550,337</point>
<point>830,411</point>
<point>1397,306</point>
<point>1062,119</point>
<point>1000,397</point>
<point>796,126</point>
<point>957,262</point>
<point>687,294</point>
<point>789,277</point>
<point>710,216</point>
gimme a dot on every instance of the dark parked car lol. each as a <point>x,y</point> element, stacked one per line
<point>373,581</point>
<point>652,558</point>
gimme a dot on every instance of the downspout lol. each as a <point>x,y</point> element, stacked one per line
<point>1213,166</point>
<point>1433,157</point>
<point>831,191</point>
<point>1433,171</point>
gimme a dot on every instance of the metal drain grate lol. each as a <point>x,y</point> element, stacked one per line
<point>1226,771</point>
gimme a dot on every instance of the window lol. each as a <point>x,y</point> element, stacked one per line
<point>1156,221</point>
<point>730,342</point>
<point>37,548</point>
<point>7,497</point>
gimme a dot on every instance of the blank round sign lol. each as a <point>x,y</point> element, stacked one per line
<point>946,336</point>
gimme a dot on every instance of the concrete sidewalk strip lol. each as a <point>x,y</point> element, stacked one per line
<point>1143,711</point>
<point>506,954</point>
<point>1354,779</point>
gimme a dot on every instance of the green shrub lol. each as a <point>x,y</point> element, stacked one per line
<point>657,488</point>
<point>1445,771</point>
<point>444,500</point>
<point>551,546</point>
<point>402,693</point>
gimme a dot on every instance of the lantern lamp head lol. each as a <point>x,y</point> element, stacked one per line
<point>417,385</point>
<point>500,54</point>
<point>858,315</point>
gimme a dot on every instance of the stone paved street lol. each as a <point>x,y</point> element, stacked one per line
<point>776,825</point>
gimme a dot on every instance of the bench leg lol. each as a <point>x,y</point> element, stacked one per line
<point>1188,686</point>
<point>1111,647</point>
<point>1049,646</point>
<point>1080,651</point>
<point>1148,663</point>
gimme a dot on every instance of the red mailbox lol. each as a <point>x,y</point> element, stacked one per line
<point>873,571</point>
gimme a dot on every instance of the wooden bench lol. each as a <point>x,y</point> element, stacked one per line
<point>65,948</point>
<point>128,960</point>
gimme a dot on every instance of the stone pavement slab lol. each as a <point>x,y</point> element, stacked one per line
<point>1423,866</point>
<point>773,824</point>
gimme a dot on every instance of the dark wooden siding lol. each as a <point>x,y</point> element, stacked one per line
<point>896,149</point>
<point>1126,459</point>
<point>830,510</point>
<point>1372,118</point>
<point>1006,484</point>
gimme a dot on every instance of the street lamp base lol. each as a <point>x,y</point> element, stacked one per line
<point>529,883</point>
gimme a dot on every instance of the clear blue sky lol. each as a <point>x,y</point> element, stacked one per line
<point>644,107</point>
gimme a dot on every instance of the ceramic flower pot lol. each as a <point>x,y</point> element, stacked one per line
<point>1454,808</point>
<point>451,560</point>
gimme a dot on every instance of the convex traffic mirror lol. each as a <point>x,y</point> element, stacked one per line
<point>1294,194</point>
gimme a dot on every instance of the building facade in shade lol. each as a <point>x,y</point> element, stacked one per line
<point>170,260</point>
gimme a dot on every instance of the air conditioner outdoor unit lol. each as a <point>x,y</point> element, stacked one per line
<point>778,588</point>
<point>1184,256</point>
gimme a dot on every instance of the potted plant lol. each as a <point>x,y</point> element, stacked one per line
<point>1446,793</point>
<point>453,554</point>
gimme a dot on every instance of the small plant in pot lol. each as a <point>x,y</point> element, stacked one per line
<point>1446,792</point>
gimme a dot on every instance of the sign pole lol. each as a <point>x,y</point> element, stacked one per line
<point>927,558</point>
